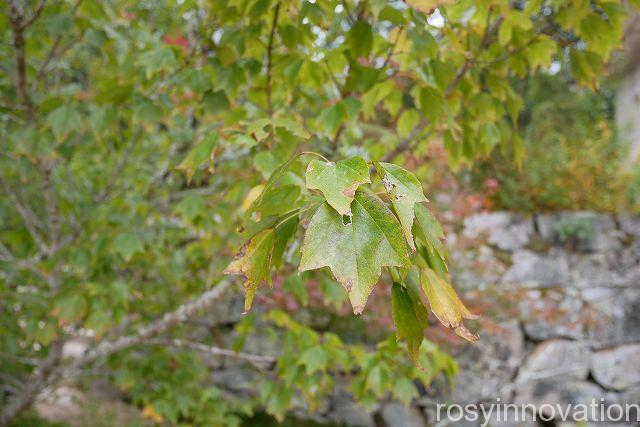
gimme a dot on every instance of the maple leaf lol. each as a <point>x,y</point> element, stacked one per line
<point>409,316</point>
<point>253,262</point>
<point>338,181</point>
<point>354,248</point>
<point>405,191</point>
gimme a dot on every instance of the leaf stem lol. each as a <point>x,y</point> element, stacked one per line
<point>313,153</point>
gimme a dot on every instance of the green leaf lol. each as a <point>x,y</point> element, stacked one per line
<point>292,126</point>
<point>69,307</point>
<point>279,200</point>
<point>404,390</point>
<point>216,101</point>
<point>314,360</point>
<point>355,248</point>
<point>431,103</point>
<point>253,261</point>
<point>428,230</point>
<point>333,294</point>
<point>63,120</point>
<point>127,245</point>
<point>273,178</point>
<point>331,117</point>
<point>284,233</point>
<point>338,181</point>
<point>202,152</point>
<point>409,316</point>
<point>360,40</point>
<point>407,121</point>
<point>405,191</point>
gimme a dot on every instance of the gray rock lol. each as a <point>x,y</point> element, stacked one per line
<point>486,368</point>
<point>477,269</point>
<point>240,379</point>
<point>599,270</point>
<point>631,401</point>
<point>614,316</point>
<point>510,417</point>
<point>554,313</point>
<point>398,415</point>
<point>547,394</point>
<point>345,410</point>
<point>617,368</point>
<point>228,311</point>
<point>588,231</point>
<point>630,225</point>
<point>505,230</point>
<point>556,359</point>
<point>530,268</point>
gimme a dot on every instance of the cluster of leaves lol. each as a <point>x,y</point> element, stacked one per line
<point>356,234</point>
<point>575,157</point>
<point>133,132</point>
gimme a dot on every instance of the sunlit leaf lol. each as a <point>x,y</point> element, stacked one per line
<point>338,181</point>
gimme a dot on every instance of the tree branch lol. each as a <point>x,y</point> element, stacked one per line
<point>28,217</point>
<point>51,371</point>
<point>16,20</point>
<point>405,143</point>
<point>53,52</point>
<point>216,351</point>
<point>274,25</point>
<point>36,15</point>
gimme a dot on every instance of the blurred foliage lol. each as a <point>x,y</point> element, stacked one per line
<point>139,137</point>
<point>573,157</point>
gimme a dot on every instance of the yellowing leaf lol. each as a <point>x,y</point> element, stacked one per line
<point>409,316</point>
<point>253,261</point>
<point>446,304</point>
<point>338,181</point>
<point>251,197</point>
<point>427,6</point>
<point>405,191</point>
<point>150,413</point>
<point>354,248</point>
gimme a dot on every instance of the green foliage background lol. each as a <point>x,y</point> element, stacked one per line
<point>138,136</point>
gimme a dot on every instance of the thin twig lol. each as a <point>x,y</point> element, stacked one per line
<point>51,371</point>
<point>274,25</point>
<point>28,217</point>
<point>117,170</point>
<point>406,142</point>
<point>348,12</point>
<point>35,16</point>
<point>217,351</point>
<point>392,49</point>
<point>53,52</point>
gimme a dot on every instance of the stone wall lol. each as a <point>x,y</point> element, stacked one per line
<point>559,296</point>
<point>561,324</point>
